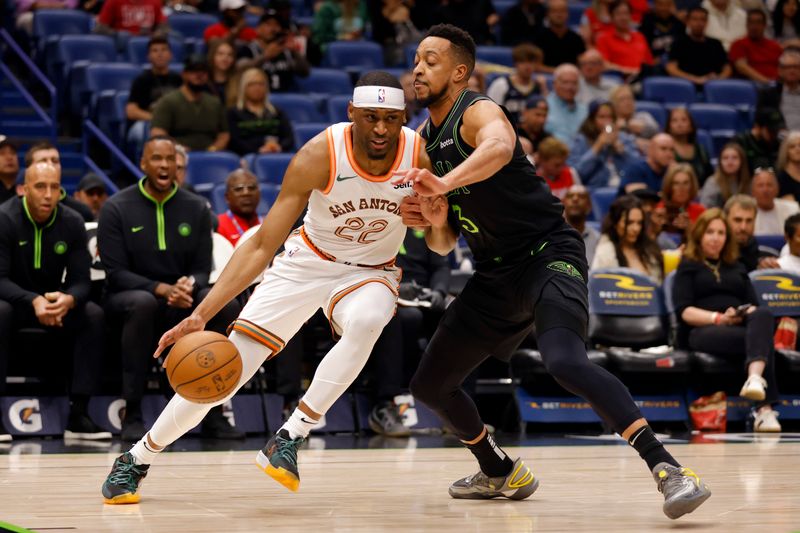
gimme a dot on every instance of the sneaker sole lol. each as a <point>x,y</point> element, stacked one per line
<point>519,494</point>
<point>5,438</point>
<point>769,430</point>
<point>754,395</point>
<point>281,475</point>
<point>102,435</point>
<point>682,507</point>
<point>122,499</point>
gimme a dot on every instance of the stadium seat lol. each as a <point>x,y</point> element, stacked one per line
<point>206,169</point>
<point>731,92</point>
<point>777,290</point>
<point>655,109</point>
<point>706,141</point>
<point>668,90</point>
<point>51,24</point>
<point>498,55</point>
<point>104,81</point>
<point>337,108</point>
<point>75,54</point>
<point>410,50</point>
<point>361,54</point>
<point>325,80</point>
<point>721,138</point>
<point>773,241</point>
<point>713,117</point>
<point>190,25</point>
<point>501,6</point>
<point>299,107</point>
<point>270,168</point>
<point>576,10</point>
<point>268,195</point>
<point>601,201</point>
<point>137,49</point>
<point>305,132</point>
<point>111,118</point>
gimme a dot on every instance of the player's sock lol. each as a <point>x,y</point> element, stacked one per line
<point>299,424</point>
<point>145,451</point>
<point>493,460</point>
<point>650,448</point>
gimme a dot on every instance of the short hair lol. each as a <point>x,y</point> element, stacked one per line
<point>237,173</point>
<point>460,42</point>
<point>158,39</point>
<point>616,5</point>
<point>379,78</point>
<point>182,151</point>
<point>695,9</point>
<point>155,138</point>
<point>526,52</point>
<point>790,226</point>
<point>551,148</point>
<point>694,251</point>
<point>744,201</point>
<point>759,12</point>
<point>788,53</point>
<point>37,147</point>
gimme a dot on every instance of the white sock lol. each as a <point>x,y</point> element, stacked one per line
<point>299,424</point>
<point>143,453</point>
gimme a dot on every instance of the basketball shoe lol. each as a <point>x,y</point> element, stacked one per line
<point>683,491</point>
<point>517,485</point>
<point>122,484</point>
<point>278,459</point>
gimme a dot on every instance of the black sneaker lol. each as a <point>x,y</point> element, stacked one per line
<point>80,426</point>
<point>385,419</point>
<point>216,426</point>
<point>278,459</point>
<point>122,484</point>
<point>5,436</point>
<point>132,429</point>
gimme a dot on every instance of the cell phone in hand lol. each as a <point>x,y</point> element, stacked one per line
<point>742,309</point>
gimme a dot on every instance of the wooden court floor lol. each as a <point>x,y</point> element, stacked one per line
<point>756,488</point>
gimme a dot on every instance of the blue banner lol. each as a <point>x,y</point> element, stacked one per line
<point>622,291</point>
<point>778,290</point>
<point>576,410</point>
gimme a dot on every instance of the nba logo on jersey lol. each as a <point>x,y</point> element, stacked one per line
<point>381,95</point>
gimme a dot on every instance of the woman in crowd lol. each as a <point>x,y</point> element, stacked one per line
<point>789,167</point>
<point>600,151</point>
<point>625,241</point>
<point>731,177</point>
<point>718,312</point>
<point>687,150</point>
<point>785,23</point>
<point>222,63</point>
<point>641,125</point>
<point>256,125</point>
<point>677,197</point>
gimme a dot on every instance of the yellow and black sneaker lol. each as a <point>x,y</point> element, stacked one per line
<point>517,485</point>
<point>278,459</point>
<point>122,484</point>
<point>683,491</point>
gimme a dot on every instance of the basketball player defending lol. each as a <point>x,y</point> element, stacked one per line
<point>340,260</point>
<point>530,269</point>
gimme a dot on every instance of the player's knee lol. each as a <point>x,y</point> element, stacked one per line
<point>6,311</point>
<point>368,324</point>
<point>564,368</point>
<point>424,390</point>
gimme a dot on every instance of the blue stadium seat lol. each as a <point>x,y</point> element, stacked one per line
<point>576,10</point>
<point>714,116</point>
<point>104,80</point>
<point>731,92</point>
<point>410,50</point>
<point>268,195</point>
<point>206,169</point>
<point>668,90</point>
<point>721,138</point>
<point>137,49</point>
<point>305,132</point>
<point>270,168</point>
<point>706,141</point>
<point>75,54</point>
<point>655,109</point>
<point>300,107</point>
<point>326,80</point>
<point>498,55</point>
<point>501,6</point>
<point>776,242</point>
<point>601,201</point>
<point>51,24</point>
<point>190,25</point>
<point>337,108</point>
<point>360,54</point>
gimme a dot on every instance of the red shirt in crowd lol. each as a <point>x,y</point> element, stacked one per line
<point>631,52</point>
<point>132,15</point>
<point>219,30</point>
<point>233,226</point>
<point>693,209</point>
<point>560,184</point>
<point>762,55</point>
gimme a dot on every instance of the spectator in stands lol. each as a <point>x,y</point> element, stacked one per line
<point>726,21</point>
<point>242,196</point>
<point>256,125</point>
<point>754,56</point>
<point>513,90</point>
<point>338,20</point>
<point>772,211</point>
<point>740,213</point>
<point>731,177</point>
<point>593,85</point>
<point>565,114</point>
<point>155,243</point>
<point>687,150</point>
<point>696,56</point>
<point>655,214</point>
<point>44,282</point>
<point>558,42</point>
<point>600,151</point>
<point>233,26</point>
<point>393,28</point>
<point>193,117</point>
<point>649,173</point>
<point>92,193</point>
<point>661,28</point>
<point>533,120</point>
<point>181,161</point>
<point>595,20</point>
<point>45,152</point>
<point>25,10</point>
<point>477,81</point>
<point>521,22</point>
<point>136,17</point>
<point>274,51</point>
<point>148,88</point>
<point>791,261</point>
<point>785,27</point>
<point>785,95</point>
<point>677,198</point>
<point>624,49</point>
<point>761,143</point>
<point>476,17</point>
<point>9,169</point>
<point>788,166</point>
<point>221,70</point>
<point>625,243</point>
<point>577,208</point>
<point>415,113</point>
<point>709,287</point>
<point>551,164</point>
<point>640,124</point>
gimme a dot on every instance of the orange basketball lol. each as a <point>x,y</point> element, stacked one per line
<point>204,367</point>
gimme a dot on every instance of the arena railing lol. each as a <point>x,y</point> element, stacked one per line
<point>119,161</point>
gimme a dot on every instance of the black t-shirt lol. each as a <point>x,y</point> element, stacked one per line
<point>147,88</point>
<point>249,131</point>
<point>660,33</point>
<point>788,185</point>
<point>518,24</point>
<point>698,57</point>
<point>557,49</point>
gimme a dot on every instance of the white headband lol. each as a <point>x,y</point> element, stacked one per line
<point>379,96</point>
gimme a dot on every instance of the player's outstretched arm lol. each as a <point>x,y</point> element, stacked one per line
<point>307,171</point>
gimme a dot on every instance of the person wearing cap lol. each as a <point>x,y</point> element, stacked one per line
<point>532,121</point>
<point>273,51</point>
<point>190,115</point>
<point>233,26</point>
<point>92,193</point>
<point>761,143</point>
<point>9,169</point>
<point>137,17</point>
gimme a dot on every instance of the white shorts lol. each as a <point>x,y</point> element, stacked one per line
<point>299,282</point>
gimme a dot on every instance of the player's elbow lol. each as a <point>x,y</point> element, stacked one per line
<point>503,149</point>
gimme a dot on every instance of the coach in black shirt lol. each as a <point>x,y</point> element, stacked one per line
<point>40,240</point>
<point>155,244</point>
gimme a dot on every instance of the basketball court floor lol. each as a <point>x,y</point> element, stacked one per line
<point>371,485</point>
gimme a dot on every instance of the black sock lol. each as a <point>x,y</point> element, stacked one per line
<point>650,448</point>
<point>493,460</point>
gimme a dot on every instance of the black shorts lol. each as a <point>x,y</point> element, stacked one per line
<point>499,306</point>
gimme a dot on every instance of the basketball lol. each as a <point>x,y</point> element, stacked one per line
<point>204,367</point>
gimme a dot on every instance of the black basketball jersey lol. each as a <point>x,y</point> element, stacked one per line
<point>504,215</point>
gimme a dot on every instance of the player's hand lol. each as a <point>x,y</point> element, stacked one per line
<point>425,182</point>
<point>411,212</point>
<point>434,210</point>
<point>188,325</point>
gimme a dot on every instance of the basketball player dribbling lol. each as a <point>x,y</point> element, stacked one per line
<point>340,260</point>
<point>530,269</point>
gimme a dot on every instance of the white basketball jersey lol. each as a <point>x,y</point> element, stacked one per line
<point>356,219</point>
